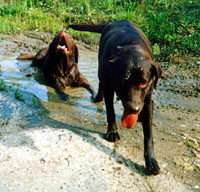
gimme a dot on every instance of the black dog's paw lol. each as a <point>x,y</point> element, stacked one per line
<point>98,99</point>
<point>112,136</point>
<point>152,166</point>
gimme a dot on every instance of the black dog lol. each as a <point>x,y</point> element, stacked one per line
<point>126,67</point>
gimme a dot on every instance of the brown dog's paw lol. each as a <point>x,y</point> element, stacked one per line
<point>93,97</point>
<point>112,136</point>
<point>152,166</point>
<point>63,95</point>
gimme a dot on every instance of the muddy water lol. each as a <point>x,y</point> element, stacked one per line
<point>30,79</point>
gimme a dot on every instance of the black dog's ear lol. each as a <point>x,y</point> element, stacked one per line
<point>121,51</point>
<point>112,60</point>
<point>76,54</point>
<point>157,71</point>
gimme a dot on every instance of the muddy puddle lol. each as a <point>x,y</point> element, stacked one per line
<point>176,113</point>
<point>30,79</point>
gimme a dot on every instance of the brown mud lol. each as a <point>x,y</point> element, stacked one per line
<point>47,146</point>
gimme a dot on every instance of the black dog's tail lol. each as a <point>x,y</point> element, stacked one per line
<point>90,28</point>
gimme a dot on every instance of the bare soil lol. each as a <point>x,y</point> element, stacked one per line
<point>42,148</point>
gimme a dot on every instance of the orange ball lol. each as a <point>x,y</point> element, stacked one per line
<point>129,119</point>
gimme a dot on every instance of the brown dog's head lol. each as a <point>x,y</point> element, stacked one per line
<point>63,45</point>
<point>134,78</point>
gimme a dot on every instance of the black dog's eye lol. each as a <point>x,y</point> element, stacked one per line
<point>143,85</point>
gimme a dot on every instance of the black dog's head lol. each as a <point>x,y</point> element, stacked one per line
<point>63,45</point>
<point>135,79</point>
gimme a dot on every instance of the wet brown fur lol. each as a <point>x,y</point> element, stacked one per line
<point>60,65</point>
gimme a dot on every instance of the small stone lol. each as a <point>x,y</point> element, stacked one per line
<point>173,133</point>
<point>86,120</point>
<point>196,153</point>
<point>117,168</point>
<point>187,167</point>
<point>197,165</point>
<point>183,125</point>
<point>42,161</point>
<point>178,161</point>
<point>183,137</point>
<point>196,187</point>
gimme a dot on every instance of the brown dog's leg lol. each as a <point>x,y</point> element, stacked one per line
<point>146,114</point>
<point>90,89</point>
<point>112,134</point>
<point>81,81</point>
<point>40,57</point>
<point>99,96</point>
<point>63,95</point>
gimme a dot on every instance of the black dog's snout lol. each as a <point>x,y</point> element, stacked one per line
<point>134,109</point>
<point>131,107</point>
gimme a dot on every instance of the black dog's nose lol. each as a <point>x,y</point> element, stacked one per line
<point>136,109</point>
<point>131,107</point>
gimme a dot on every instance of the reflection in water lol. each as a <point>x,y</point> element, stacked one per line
<point>21,74</point>
<point>30,79</point>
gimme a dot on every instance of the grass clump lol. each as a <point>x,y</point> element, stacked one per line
<point>3,86</point>
<point>172,26</point>
<point>18,95</point>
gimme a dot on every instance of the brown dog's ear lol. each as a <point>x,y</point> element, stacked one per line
<point>76,54</point>
<point>157,71</point>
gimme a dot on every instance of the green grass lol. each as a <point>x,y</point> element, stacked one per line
<point>18,95</point>
<point>3,86</point>
<point>172,26</point>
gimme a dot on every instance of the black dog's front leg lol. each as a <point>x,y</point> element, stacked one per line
<point>112,134</point>
<point>147,114</point>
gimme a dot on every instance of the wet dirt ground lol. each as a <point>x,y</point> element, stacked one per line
<point>42,136</point>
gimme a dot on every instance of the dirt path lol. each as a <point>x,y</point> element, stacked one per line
<point>44,149</point>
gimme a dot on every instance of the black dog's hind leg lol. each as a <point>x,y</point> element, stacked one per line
<point>147,114</point>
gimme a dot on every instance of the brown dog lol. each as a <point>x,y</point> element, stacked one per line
<point>126,67</point>
<point>59,64</point>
